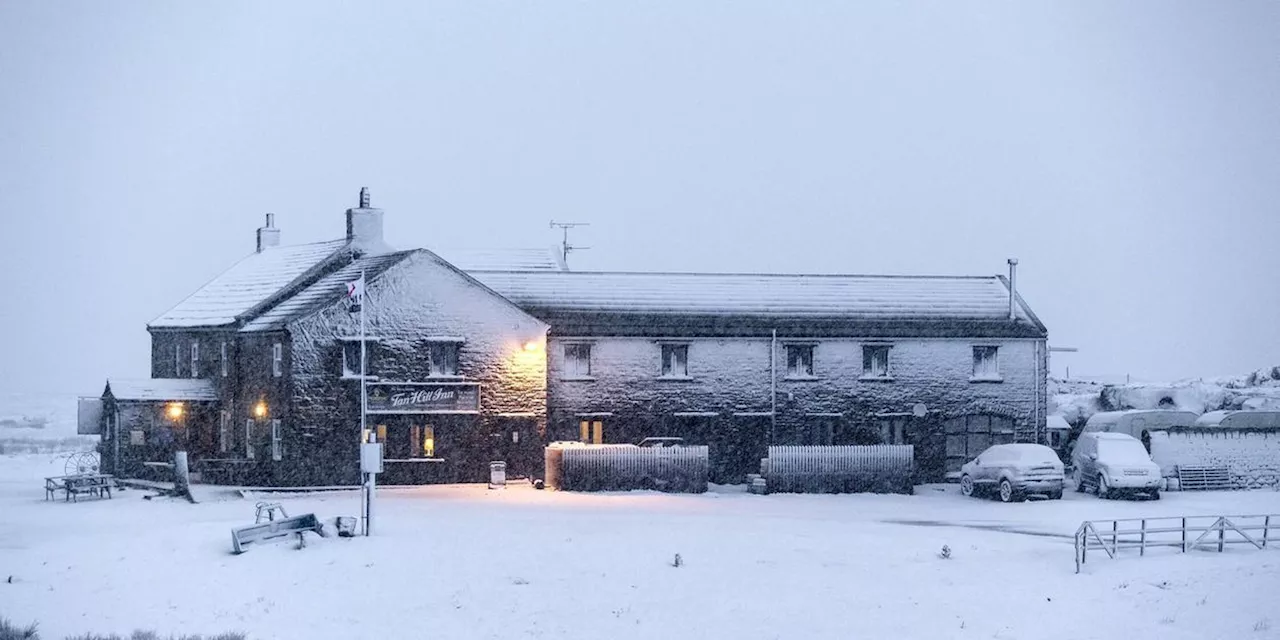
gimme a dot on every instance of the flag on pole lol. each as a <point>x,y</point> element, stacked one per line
<point>355,292</point>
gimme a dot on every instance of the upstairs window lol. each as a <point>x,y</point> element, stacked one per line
<point>351,358</point>
<point>177,361</point>
<point>875,361</point>
<point>799,361</point>
<point>277,359</point>
<point>577,360</point>
<point>195,359</point>
<point>986,363</point>
<point>277,441</point>
<point>224,432</point>
<point>675,360</point>
<point>226,367</point>
<point>444,358</point>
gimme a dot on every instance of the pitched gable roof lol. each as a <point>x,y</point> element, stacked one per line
<point>325,291</point>
<point>192,389</point>
<point>546,259</point>
<point>248,284</point>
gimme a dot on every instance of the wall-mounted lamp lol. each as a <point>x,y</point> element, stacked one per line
<point>531,346</point>
<point>260,409</point>
<point>174,410</point>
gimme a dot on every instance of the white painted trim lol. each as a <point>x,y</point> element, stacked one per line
<point>599,414</point>
<point>753,414</point>
<point>695,414</point>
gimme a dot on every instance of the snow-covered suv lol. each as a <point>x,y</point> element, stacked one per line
<point>1112,463</point>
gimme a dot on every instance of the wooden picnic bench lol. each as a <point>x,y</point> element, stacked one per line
<point>261,531</point>
<point>95,484</point>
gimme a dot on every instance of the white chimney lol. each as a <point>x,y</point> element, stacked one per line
<point>364,225</point>
<point>1013,287</point>
<point>268,235</point>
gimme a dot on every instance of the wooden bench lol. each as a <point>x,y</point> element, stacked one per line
<point>244,536</point>
<point>95,484</point>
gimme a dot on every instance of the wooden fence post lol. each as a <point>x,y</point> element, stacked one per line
<point>1142,548</point>
<point>1222,533</point>
<point>1184,535</point>
<point>1266,526</point>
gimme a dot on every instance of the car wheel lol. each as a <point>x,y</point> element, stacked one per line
<point>966,486</point>
<point>1055,495</point>
<point>1155,495</point>
<point>1077,477</point>
<point>1008,493</point>
<point>1103,490</point>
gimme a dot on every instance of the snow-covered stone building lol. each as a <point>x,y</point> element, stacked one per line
<point>485,356</point>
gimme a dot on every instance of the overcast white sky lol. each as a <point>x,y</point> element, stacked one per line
<point>1127,153</point>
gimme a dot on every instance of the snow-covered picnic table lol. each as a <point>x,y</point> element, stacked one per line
<point>98,484</point>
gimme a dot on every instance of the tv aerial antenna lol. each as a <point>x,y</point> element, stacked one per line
<point>565,247</point>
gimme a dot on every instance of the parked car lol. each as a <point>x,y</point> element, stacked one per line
<point>1114,463</point>
<point>660,442</point>
<point>1012,472</point>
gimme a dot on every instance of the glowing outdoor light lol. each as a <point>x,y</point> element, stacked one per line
<point>174,410</point>
<point>260,410</point>
<point>531,346</point>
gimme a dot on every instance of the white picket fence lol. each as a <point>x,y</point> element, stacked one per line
<point>840,469</point>
<point>627,467</point>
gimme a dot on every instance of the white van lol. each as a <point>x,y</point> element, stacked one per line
<point>1139,423</point>
<point>1112,463</point>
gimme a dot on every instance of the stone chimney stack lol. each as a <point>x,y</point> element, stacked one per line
<point>268,235</point>
<point>364,225</point>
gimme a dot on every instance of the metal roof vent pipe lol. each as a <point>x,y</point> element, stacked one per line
<point>1013,288</point>
<point>268,234</point>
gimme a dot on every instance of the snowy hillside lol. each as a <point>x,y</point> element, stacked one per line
<point>1076,400</point>
<point>40,422</point>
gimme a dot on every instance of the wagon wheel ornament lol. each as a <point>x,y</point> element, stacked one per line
<point>81,463</point>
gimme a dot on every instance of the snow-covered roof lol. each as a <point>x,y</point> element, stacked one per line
<point>1157,417</point>
<point>528,259</point>
<point>1240,419</point>
<point>247,284</point>
<point>832,296</point>
<point>323,292</point>
<point>191,389</point>
<point>1056,422</point>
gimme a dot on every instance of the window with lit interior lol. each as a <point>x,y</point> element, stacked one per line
<point>675,360</point>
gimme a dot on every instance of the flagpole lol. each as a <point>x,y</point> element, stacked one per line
<point>367,490</point>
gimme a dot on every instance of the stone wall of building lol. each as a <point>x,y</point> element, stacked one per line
<point>1253,457</point>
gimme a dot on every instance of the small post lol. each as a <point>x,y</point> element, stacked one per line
<point>1115,535</point>
<point>1222,533</point>
<point>1184,535</point>
<point>1266,526</point>
<point>181,475</point>
<point>1142,548</point>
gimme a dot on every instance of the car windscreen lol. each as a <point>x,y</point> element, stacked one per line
<point>1122,451</point>
<point>1036,455</point>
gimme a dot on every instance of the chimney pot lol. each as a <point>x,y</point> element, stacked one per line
<point>268,234</point>
<point>364,197</point>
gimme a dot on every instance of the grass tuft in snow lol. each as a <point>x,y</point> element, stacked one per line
<point>10,632</point>
<point>1262,625</point>
<point>678,562</point>
<point>945,554</point>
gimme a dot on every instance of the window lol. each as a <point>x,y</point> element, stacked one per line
<point>351,358</point>
<point>137,438</point>
<point>195,359</point>
<point>224,432</point>
<point>591,431</point>
<point>821,430</point>
<point>422,441</point>
<point>799,361</point>
<point>875,361</point>
<point>277,444</point>
<point>248,438</point>
<point>577,360</point>
<point>986,365</point>
<point>675,360</point>
<point>444,358</point>
<point>277,359</point>
<point>177,361</point>
<point>225,365</point>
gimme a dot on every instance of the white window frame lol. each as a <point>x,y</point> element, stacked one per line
<point>248,439</point>
<point>575,366</point>
<point>351,365</point>
<point>986,369</point>
<point>195,359</point>
<point>226,367</point>
<point>277,442</point>
<point>224,432</point>
<point>797,366</point>
<point>277,360</point>
<point>673,366</point>
<point>868,366</point>
<point>177,360</point>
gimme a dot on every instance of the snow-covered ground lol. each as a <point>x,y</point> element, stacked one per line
<point>40,423</point>
<point>466,562</point>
